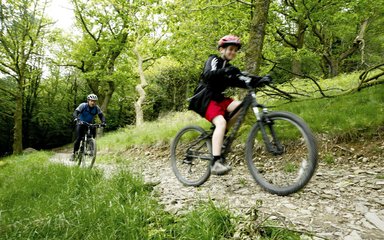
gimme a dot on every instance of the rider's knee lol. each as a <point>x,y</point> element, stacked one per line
<point>233,105</point>
<point>220,122</point>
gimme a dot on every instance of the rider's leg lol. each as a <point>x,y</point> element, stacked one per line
<point>76,145</point>
<point>218,166</point>
<point>218,134</point>
<point>80,132</point>
<point>215,114</point>
<point>93,132</point>
<point>231,107</point>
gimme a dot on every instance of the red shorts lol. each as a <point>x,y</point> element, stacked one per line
<point>215,109</point>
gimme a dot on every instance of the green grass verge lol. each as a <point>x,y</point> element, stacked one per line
<point>347,115</point>
<point>41,200</point>
<point>158,132</point>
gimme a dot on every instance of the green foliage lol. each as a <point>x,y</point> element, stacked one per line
<point>318,34</point>
<point>170,86</point>
<point>174,38</point>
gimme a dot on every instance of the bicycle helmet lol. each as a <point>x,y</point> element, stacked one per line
<point>229,40</point>
<point>92,97</point>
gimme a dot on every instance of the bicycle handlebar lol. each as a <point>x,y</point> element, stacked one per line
<point>90,124</point>
<point>247,78</point>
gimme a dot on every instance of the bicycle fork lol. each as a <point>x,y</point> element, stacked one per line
<point>272,143</point>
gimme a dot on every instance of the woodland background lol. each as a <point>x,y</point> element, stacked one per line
<point>143,58</point>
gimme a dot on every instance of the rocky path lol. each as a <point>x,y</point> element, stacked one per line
<point>344,200</point>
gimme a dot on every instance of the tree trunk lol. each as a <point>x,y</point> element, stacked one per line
<point>107,96</point>
<point>334,61</point>
<point>256,36</point>
<point>140,88</point>
<point>18,123</point>
<point>296,62</point>
<point>296,66</point>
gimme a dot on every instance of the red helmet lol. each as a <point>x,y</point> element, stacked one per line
<point>229,40</point>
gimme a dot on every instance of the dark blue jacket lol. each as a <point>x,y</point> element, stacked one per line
<point>87,114</point>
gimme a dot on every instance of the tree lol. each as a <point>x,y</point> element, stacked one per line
<point>105,30</point>
<point>339,36</point>
<point>22,28</point>
<point>291,26</point>
<point>257,35</point>
<point>150,28</point>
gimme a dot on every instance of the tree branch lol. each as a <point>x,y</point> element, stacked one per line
<point>282,35</point>
<point>7,91</point>
<point>313,79</point>
<point>84,24</point>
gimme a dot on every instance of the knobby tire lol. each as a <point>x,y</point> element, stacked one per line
<point>289,170</point>
<point>191,156</point>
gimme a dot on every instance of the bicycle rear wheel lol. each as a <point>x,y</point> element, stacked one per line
<point>191,156</point>
<point>89,154</point>
<point>291,160</point>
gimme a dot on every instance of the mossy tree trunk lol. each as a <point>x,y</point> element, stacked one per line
<point>257,35</point>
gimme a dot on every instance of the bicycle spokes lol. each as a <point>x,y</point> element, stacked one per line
<point>191,155</point>
<point>281,154</point>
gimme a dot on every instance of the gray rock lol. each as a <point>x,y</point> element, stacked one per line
<point>375,220</point>
<point>353,236</point>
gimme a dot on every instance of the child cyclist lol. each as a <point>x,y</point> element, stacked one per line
<point>218,75</point>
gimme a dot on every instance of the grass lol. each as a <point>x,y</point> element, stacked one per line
<point>345,116</point>
<point>349,115</point>
<point>43,200</point>
<point>158,132</point>
<point>329,158</point>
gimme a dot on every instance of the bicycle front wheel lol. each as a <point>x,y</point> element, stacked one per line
<point>284,160</point>
<point>89,154</point>
<point>191,156</point>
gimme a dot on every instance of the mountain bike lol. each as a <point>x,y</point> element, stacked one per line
<point>86,155</point>
<point>280,151</point>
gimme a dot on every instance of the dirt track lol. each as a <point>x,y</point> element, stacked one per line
<point>344,200</point>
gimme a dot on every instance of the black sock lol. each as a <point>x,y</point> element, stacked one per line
<point>215,158</point>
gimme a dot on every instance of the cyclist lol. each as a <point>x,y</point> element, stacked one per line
<point>86,112</point>
<point>218,75</point>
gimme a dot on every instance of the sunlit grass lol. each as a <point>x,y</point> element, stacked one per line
<point>42,200</point>
<point>158,132</point>
<point>360,112</point>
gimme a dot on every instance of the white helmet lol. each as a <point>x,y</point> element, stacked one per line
<point>92,97</point>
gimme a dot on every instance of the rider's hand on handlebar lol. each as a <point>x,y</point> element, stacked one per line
<point>232,71</point>
<point>267,79</point>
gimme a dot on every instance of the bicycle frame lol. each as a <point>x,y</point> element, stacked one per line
<point>280,150</point>
<point>250,101</point>
<point>84,141</point>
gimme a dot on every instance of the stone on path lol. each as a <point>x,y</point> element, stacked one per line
<point>375,220</point>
